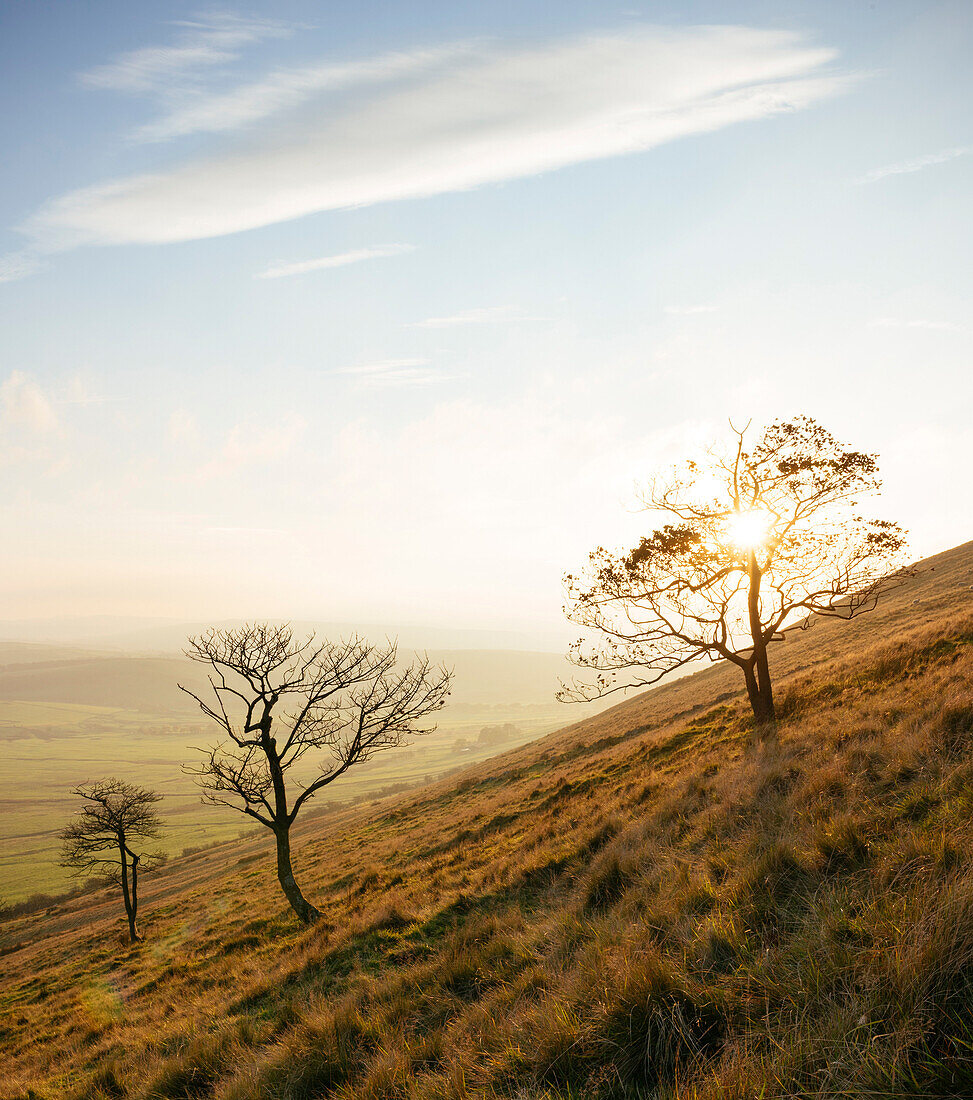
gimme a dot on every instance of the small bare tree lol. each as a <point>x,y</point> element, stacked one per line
<point>278,700</point>
<point>106,838</point>
<point>757,540</point>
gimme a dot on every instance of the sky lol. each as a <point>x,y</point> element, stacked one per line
<point>381,312</point>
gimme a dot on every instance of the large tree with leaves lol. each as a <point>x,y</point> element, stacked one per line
<point>753,539</point>
<point>280,702</point>
<point>107,838</point>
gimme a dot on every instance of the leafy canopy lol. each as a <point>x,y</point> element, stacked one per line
<point>755,539</point>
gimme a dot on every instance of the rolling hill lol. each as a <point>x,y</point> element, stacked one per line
<point>38,673</point>
<point>167,637</point>
<point>643,904</point>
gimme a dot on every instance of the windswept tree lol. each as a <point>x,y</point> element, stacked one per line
<point>279,703</point>
<point>107,838</point>
<point>754,539</point>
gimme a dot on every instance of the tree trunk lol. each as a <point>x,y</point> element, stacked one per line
<point>764,718</point>
<point>759,687</point>
<point>285,876</point>
<point>133,934</point>
<point>764,715</point>
<point>133,922</point>
<point>282,830</point>
<point>763,679</point>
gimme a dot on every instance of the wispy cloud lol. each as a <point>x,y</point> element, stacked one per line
<point>395,372</point>
<point>249,530</point>
<point>917,322</point>
<point>485,316</point>
<point>260,445</point>
<point>915,164</point>
<point>688,311</point>
<point>18,265</point>
<point>206,41</point>
<point>77,393</point>
<point>24,405</point>
<point>217,112</point>
<point>183,428</point>
<point>486,115</point>
<point>280,271</point>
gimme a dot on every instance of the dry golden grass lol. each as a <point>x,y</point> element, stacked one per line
<point>645,904</point>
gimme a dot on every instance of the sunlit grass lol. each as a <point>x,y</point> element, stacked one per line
<point>648,905</point>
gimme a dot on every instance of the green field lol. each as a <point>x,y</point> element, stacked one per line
<point>48,748</point>
<point>68,716</point>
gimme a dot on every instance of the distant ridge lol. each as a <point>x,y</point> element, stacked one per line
<point>163,635</point>
<point>30,672</point>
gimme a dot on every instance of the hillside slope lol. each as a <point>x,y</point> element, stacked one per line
<point>644,904</point>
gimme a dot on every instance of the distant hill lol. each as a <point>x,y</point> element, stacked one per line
<point>168,636</point>
<point>32,653</point>
<point>37,673</point>
<point>133,683</point>
<point>78,630</point>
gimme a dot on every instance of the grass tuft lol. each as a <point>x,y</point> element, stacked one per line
<point>841,842</point>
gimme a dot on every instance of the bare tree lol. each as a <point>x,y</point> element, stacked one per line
<point>106,837</point>
<point>757,540</point>
<point>278,700</point>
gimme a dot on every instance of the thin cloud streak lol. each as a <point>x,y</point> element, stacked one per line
<point>395,372</point>
<point>488,116</point>
<point>485,316</point>
<point>250,530</point>
<point>689,311</point>
<point>342,259</point>
<point>918,323</point>
<point>207,41</point>
<point>916,164</point>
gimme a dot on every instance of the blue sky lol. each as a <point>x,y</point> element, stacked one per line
<point>378,312</point>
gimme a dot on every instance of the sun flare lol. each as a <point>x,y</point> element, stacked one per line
<point>749,530</point>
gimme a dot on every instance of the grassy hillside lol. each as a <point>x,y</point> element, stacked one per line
<point>644,904</point>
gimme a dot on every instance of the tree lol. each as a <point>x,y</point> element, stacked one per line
<point>757,540</point>
<point>114,819</point>
<point>497,735</point>
<point>277,700</point>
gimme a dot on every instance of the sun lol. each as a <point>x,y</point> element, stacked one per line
<point>749,530</point>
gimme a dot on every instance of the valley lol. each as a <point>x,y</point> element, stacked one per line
<point>54,735</point>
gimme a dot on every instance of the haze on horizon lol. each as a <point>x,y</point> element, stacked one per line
<point>378,313</point>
